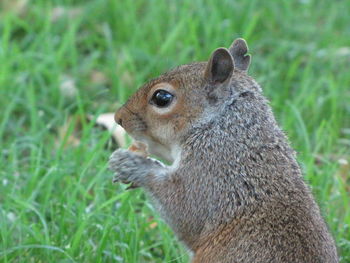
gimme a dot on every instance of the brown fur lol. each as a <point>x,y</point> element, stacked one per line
<point>235,192</point>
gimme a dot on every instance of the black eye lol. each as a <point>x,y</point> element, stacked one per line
<point>162,98</point>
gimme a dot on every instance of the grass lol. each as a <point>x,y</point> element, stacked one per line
<point>57,202</point>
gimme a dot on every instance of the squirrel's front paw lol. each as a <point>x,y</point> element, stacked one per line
<point>128,167</point>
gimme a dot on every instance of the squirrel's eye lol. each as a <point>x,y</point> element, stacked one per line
<point>162,98</point>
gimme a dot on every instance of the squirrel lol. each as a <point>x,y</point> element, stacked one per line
<point>233,191</point>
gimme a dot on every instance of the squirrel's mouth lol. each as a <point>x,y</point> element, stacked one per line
<point>154,146</point>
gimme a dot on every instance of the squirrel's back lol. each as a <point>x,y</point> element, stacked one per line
<point>260,209</point>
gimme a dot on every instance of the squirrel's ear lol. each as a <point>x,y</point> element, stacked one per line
<point>239,50</point>
<point>219,67</point>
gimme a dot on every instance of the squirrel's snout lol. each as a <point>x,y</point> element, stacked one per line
<point>118,119</point>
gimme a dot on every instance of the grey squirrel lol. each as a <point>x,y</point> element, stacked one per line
<point>234,191</point>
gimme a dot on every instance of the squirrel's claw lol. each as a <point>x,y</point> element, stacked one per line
<point>128,167</point>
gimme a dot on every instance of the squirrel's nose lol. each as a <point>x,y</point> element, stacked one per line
<point>118,119</point>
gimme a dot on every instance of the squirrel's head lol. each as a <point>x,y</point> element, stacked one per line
<point>162,111</point>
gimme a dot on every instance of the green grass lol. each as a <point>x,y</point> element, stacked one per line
<point>57,202</point>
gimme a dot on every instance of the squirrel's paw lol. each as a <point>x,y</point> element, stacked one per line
<point>129,167</point>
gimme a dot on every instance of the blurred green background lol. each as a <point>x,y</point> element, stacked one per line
<point>63,63</point>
